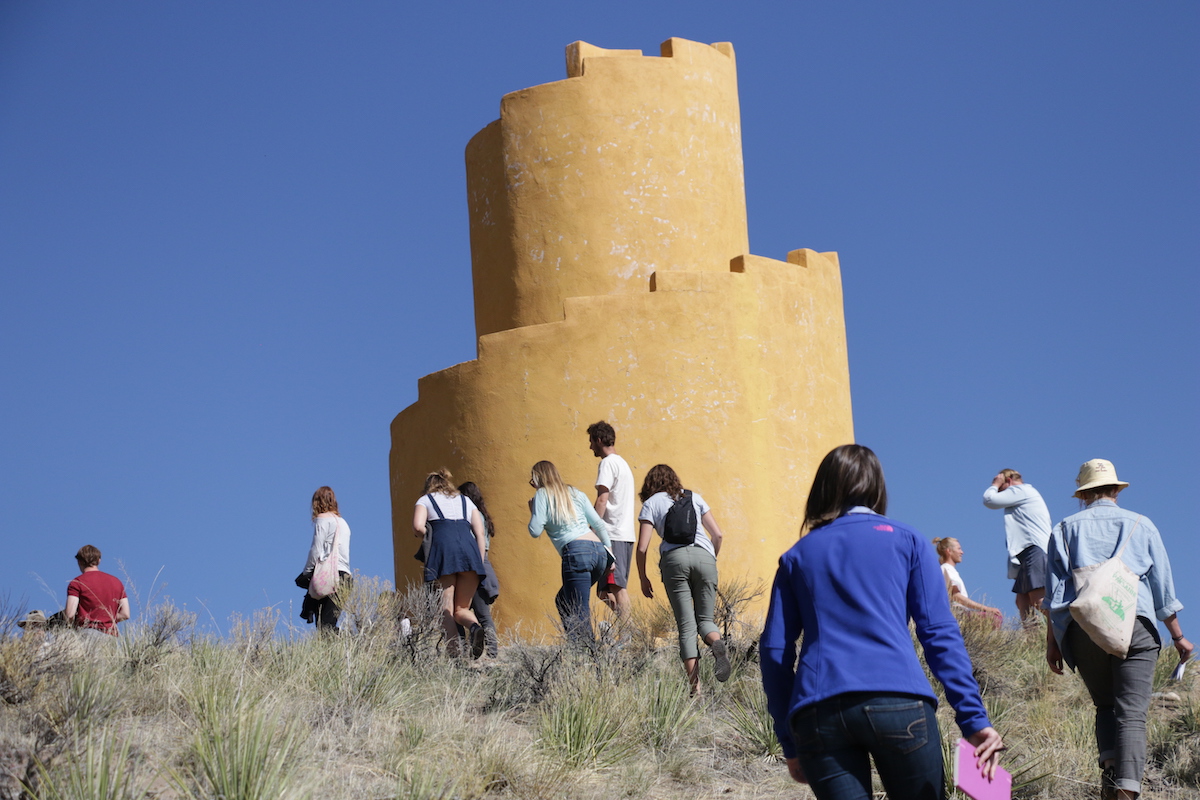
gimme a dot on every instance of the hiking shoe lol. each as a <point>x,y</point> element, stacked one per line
<point>478,640</point>
<point>1108,783</point>
<point>721,669</point>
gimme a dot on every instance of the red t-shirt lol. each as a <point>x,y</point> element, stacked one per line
<point>100,596</point>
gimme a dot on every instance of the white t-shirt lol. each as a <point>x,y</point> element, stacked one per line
<point>615,474</point>
<point>954,580</point>
<point>451,507</point>
<point>655,511</point>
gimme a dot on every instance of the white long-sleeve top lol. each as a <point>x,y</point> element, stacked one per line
<point>322,543</point>
<point>1026,519</point>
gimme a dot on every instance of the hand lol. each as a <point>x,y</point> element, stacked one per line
<point>796,771</point>
<point>1054,655</point>
<point>988,745</point>
<point>1185,649</point>
<point>647,589</point>
<point>998,481</point>
<point>531,505</point>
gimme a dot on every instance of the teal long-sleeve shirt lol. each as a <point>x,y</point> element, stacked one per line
<point>562,534</point>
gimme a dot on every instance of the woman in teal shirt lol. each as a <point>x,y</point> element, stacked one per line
<point>565,514</point>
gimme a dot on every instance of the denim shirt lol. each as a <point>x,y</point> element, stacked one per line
<point>1095,535</point>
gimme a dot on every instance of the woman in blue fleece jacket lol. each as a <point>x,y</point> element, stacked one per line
<point>850,585</point>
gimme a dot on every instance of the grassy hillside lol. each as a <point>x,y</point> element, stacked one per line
<point>168,713</point>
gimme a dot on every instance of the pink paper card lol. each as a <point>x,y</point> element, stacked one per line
<point>969,781</point>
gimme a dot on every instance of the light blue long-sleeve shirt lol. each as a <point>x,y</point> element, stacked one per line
<point>1026,519</point>
<point>562,534</point>
<point>1094,535</point>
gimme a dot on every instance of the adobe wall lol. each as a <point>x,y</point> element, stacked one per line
<point>612,281</point>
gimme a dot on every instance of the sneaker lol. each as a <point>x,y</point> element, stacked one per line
<point>478,640</point>
<point>1108,783</point>
<point>721,669</point>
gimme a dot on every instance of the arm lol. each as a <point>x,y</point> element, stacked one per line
<point>122,610</point>
<point>714,531</point>
<point>72,607</point>
<point>593,519</point>
<point>420,517</point>
<point>316,550</point>
<point>644,533</point>
<point>1012,496</point>
<point>480,531</point>
<point>602,493</point>
<point>777,656</point>
<point>538,508</point>
<point>1182,645</point>
<point>958,597</point>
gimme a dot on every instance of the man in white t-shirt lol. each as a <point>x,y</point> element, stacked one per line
<point>614,504</point>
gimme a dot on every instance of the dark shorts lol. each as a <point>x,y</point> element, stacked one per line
<point>1032,572</point>
<point>624,555</point>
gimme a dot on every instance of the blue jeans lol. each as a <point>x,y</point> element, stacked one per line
<point>836,739</point>
<point>583,562</point>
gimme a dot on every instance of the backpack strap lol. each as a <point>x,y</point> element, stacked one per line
<point>464,504</point>
<point>433,503</point>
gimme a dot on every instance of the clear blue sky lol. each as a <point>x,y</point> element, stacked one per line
<point>234,235</point>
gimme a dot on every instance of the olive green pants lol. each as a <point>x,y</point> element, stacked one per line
<point>689,575</point>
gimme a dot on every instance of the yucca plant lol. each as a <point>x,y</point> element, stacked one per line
<point>752,721</point>
<point>664,712</point>
<point>102,770</point>
<point>241,750</point>
<point>584,726</point>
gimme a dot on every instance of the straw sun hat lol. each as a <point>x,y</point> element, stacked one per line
<point>34,617</point>
<point>1097,472</point>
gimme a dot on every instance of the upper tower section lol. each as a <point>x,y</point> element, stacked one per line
<point>587,186</point>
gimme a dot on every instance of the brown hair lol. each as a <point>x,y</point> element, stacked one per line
<point>440,482</point>
<point>88,555</point>
<point>1011,474</point>
<point>661,478</point>
<point>849,475</point>
<point>1089,496</point>
<point>324,500</point>
<point>475,496</point>
<point>603,433</point>
<point>562,508</point>
<point>943,546</point>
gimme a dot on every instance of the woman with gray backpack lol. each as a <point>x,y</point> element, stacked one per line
<point>687,561</point>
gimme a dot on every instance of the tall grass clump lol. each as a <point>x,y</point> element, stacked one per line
<point>243,748</point>
<point>584,726</point>
<point>103,769</point>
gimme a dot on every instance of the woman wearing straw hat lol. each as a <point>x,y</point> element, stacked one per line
<point>1120,688</point>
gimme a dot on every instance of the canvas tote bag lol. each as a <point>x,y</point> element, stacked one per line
<point>325,575</point>
<point>1106,601</point>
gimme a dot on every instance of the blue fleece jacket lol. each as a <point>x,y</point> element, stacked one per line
<point>851,587</point>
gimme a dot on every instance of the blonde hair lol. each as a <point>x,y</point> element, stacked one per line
<point>1011,474</point>
<point>562,507</point>
<point>943,546</point>
<point>440,482</point>
<point>324,500</point>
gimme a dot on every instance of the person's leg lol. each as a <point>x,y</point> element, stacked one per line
<point>623,551</point>
<point>1132,681</point>
<point>1095,668</point>
<point>465,584</point>
<point>837,767</point>
<point>675,567</point>
<point>578,566</point>
<point>905,745</point>
<point>703,582</point>
<point>1022,607</point>
<point>483,612</point>
<point>446,587</point>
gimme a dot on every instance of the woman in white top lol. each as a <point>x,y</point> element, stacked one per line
<point>950,553</point>
<point>454,558</point>
<point>327,525</point>
<point>687,561</point>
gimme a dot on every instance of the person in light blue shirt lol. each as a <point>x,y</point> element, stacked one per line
<point>1026,532</point>
<point>581,539</point>
<point>1120,687</point>
<point>858,694</point>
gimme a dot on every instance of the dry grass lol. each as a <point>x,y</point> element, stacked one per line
<point>168,713</point>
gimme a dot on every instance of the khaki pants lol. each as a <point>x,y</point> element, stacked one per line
<point>690,577</point>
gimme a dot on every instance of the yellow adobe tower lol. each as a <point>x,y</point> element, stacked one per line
<point>612,281</point>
